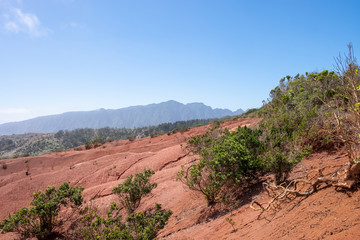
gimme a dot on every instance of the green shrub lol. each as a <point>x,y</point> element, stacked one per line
<point>134,189</point>
<point>95,142</point>
<point>140,226</point>
<point>250,113</point>
<point>278,164</point>
<point>146,225</point>
<point>227,160</point>
<point>184,129</point>
<point>4,166</point>
<point>92,226</point>
<point>296,119</point>
<point>39,220</point>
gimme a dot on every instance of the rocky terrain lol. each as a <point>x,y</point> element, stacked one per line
<point>326,214</point>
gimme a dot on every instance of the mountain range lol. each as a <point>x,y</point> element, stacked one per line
<point>130,117</point>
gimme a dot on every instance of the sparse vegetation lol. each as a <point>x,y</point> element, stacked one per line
<point>3,165</point>
<point>137,225</point>
<point>333,120</point>
<point>35,144</point>
<point>227,161</point>
<point>134,189</point>
<point>305,113</point>
<point>250,113</point>
<point>184,129</point>
<point>93,226</point>
<point>95,142</point>
<point>39,220</point>
<point>231,222</point>
<point>141,226</point>
<point>77,149</point>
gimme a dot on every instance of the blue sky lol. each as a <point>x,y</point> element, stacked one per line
<point>70,55</point>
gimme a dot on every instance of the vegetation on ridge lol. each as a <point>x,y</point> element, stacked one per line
<point>305,113</point>
<point>33,144</point>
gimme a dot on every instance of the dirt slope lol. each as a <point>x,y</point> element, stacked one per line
<point>327,214</point>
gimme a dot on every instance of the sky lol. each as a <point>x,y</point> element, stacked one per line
<point>79,55</point>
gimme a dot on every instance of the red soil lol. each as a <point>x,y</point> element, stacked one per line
<point>327,214</point>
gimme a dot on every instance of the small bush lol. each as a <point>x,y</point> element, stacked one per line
<point>134,189</point>
<point>39,220</point>
<point>184,129</point>
<point>227,160</point>
<point>279,165</point>
<point>142,225</point>
<point>231,222</point>
<point>4,166</point>
<point>95,142</point>
<point>146,225</point>
<point>93,226</point>
<point>137,225</point>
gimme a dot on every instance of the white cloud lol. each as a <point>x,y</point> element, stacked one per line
<point>72,25</point>
<point>12,27</point>
<point>14,111</point>
<point>17,21</point>
<point>75,25</point>
<point>30,21</point>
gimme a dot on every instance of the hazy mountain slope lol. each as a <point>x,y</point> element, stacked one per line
<point>137,116</point>
<point>15,145</point>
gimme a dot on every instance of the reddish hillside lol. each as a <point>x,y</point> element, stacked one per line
<point>327,214</point>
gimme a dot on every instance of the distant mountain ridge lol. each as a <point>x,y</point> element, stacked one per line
<point>130,117</point>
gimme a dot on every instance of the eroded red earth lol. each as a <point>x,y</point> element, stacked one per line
<point>327,214</point>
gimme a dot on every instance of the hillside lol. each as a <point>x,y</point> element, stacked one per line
<point>328,214</point>
<point>292,171</point>
<point>130,117</point>
<point>32,144</point>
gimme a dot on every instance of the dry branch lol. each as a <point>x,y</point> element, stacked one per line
<point>346,180</point>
